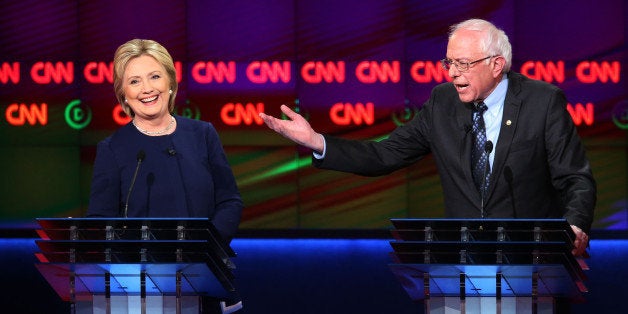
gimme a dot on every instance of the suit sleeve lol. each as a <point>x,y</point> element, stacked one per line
<point>228,207</point>
<point>405,145</point>
<point>569,167</point>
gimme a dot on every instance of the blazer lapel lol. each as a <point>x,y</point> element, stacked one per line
<point>464,119</point>
<point>512,104</point>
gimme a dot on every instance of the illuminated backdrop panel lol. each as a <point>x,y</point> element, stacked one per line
<point>354,68</point>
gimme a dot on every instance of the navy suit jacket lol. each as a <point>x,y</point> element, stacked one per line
<point>540,169</point>
<point>184,174</point>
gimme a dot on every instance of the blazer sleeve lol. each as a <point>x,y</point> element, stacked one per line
<point>569,167</point>
<point>104,199</point>
<point>228,203</point>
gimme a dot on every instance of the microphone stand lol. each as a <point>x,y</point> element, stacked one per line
<point>140,157</point>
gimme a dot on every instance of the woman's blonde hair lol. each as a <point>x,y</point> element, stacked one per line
<point>135,48</point>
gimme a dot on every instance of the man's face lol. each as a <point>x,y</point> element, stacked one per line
<point>482,77</point>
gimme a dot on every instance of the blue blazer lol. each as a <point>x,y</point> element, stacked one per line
<point>184,174</point>
<point>540,169</point>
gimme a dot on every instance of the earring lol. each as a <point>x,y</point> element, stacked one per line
<point>170,91</point>
<point>126,101</point>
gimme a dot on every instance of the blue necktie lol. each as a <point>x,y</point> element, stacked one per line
<point>479,155</point>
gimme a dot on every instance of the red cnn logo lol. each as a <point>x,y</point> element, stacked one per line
<point>316,72</point>
<point>370,72</point>
<point>19,114</point>
<point>346,113</point>
<point>98,72</point>
<point>548,72</point>
<point>208,72</point>
<point>237,114</point>
<point>261,72</point>
<point>428,71</point>
<point>47,72</point>
<point>591,72</point>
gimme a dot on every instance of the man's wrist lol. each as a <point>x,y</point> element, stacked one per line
<point>320,154</point>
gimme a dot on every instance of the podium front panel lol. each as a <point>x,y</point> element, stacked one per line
<point>181,257</point>
<point>89,279</point>
<point>486,258</point>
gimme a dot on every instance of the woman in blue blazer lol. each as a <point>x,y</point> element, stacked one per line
<point>160,165</point>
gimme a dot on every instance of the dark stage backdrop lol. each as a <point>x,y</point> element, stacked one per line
<point>354,68</point>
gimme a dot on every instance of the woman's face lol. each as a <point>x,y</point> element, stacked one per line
<point>146,88</point>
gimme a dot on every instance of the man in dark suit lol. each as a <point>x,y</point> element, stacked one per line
<point>537,169</point>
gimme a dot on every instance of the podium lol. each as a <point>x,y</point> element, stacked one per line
<point>135,265</point>
<point>487,266</point>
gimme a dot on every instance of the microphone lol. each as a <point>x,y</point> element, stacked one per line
<point>171,151</point>
<point>488,148</point>
<point>140,157</point>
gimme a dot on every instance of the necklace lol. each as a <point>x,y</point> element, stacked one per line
<point>155,132</point>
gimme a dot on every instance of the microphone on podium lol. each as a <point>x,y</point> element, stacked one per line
<point>140,157</point>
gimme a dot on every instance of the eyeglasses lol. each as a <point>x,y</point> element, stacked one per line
<point>462,66</point>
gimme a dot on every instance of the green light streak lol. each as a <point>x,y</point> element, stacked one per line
<point>281,169</point>
<point>287,167</point>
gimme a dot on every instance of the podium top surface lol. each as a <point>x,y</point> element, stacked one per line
<point>456,223</point>
<point>554,228</point>
<point>86,229</point>
<point>96,223</point>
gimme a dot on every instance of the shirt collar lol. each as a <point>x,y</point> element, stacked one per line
<point>495,101</point>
